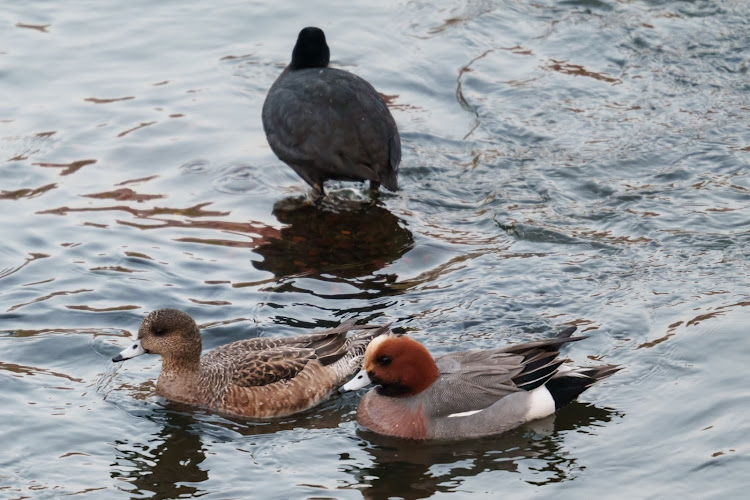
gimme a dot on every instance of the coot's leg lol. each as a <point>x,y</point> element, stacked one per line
<point>318,192</point>
<point>374,191</point>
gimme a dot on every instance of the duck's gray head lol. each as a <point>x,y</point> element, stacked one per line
<point>169,332</point>
<point>311,50</point>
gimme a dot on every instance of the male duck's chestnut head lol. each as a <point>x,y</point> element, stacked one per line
<point>399,365</point>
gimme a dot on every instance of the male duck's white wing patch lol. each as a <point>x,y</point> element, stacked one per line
<point>463,413</point>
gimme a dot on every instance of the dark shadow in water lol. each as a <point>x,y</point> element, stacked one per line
<point>168,464</point>
<point>339,240</point>
<point>407,469</point>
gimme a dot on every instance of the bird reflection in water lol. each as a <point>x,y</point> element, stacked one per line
<point>169,469</point>
<point>407,469</point>
<point>343,239</point>
<point>167,464</point>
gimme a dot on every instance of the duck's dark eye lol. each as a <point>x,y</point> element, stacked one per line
<point>159,331</point>
<point>384,360</point>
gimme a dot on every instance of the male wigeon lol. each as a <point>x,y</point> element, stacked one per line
<point>466,394</point>
<point>260,377</point>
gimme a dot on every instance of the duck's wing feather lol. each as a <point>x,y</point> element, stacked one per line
<point>323,341</point>
<point>262,361</point>
<point>475,379</point>
<point>270,366</point>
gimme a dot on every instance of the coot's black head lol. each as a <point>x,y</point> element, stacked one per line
<point>311,50</point>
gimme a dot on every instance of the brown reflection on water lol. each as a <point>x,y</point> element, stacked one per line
<point>4,273</point>
<point>49,296</point>
<point>134,181</point>
<point>44,28</point>
<point>694,321</point>
<point>390,100</point>
<point>133,129</point>
<point>23,370</point>
<point>25,192</point>
<point>68,168</point>
<point>194,211</point>
<point>93,332</point>
<point>125,194</point>
<point>97,100</point>
<point>256,233</point>
<point>103,309</point>
<point>406,469</point>
<point>571,69</point>
<point>348,240</point>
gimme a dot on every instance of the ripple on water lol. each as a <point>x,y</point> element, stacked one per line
<point>565,163</point>
<point>196,167</point>
<point>246,179</point>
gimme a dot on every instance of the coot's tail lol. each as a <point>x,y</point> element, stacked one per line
<point>389,178</point>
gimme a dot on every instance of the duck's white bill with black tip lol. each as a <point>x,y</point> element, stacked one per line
<point>359,381</point>
<point>136,349</point>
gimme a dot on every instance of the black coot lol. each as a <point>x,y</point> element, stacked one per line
<point>327,123</point>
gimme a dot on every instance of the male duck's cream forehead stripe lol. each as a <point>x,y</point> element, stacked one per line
<point>375,343</point>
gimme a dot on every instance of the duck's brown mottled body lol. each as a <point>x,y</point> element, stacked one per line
<point>258,378</point>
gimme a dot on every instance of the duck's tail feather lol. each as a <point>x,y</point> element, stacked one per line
<point>567,332</point>
<point>354,346</point>
<point>550,345</point>
<point>568,383</point>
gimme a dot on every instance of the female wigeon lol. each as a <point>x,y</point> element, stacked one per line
<point>466,394</point>
<point>260,377</point>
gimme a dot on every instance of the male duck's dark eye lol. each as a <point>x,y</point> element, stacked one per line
<point>384,360</point>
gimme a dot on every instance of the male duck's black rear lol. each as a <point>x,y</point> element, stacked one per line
<point>327,123</point>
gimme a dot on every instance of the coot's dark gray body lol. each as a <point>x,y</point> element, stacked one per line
<point>327,123</point>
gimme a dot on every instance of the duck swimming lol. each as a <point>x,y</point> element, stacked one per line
<point>260,377</point>
<point>466,394</point>
<point>327,123</point>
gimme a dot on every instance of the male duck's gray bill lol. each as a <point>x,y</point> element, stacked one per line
<point>134,350</point>
<point>359,381</point>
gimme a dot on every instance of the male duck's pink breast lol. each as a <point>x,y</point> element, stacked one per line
<point>392,417</point>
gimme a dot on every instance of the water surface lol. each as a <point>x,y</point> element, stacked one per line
<point>579,162</point>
